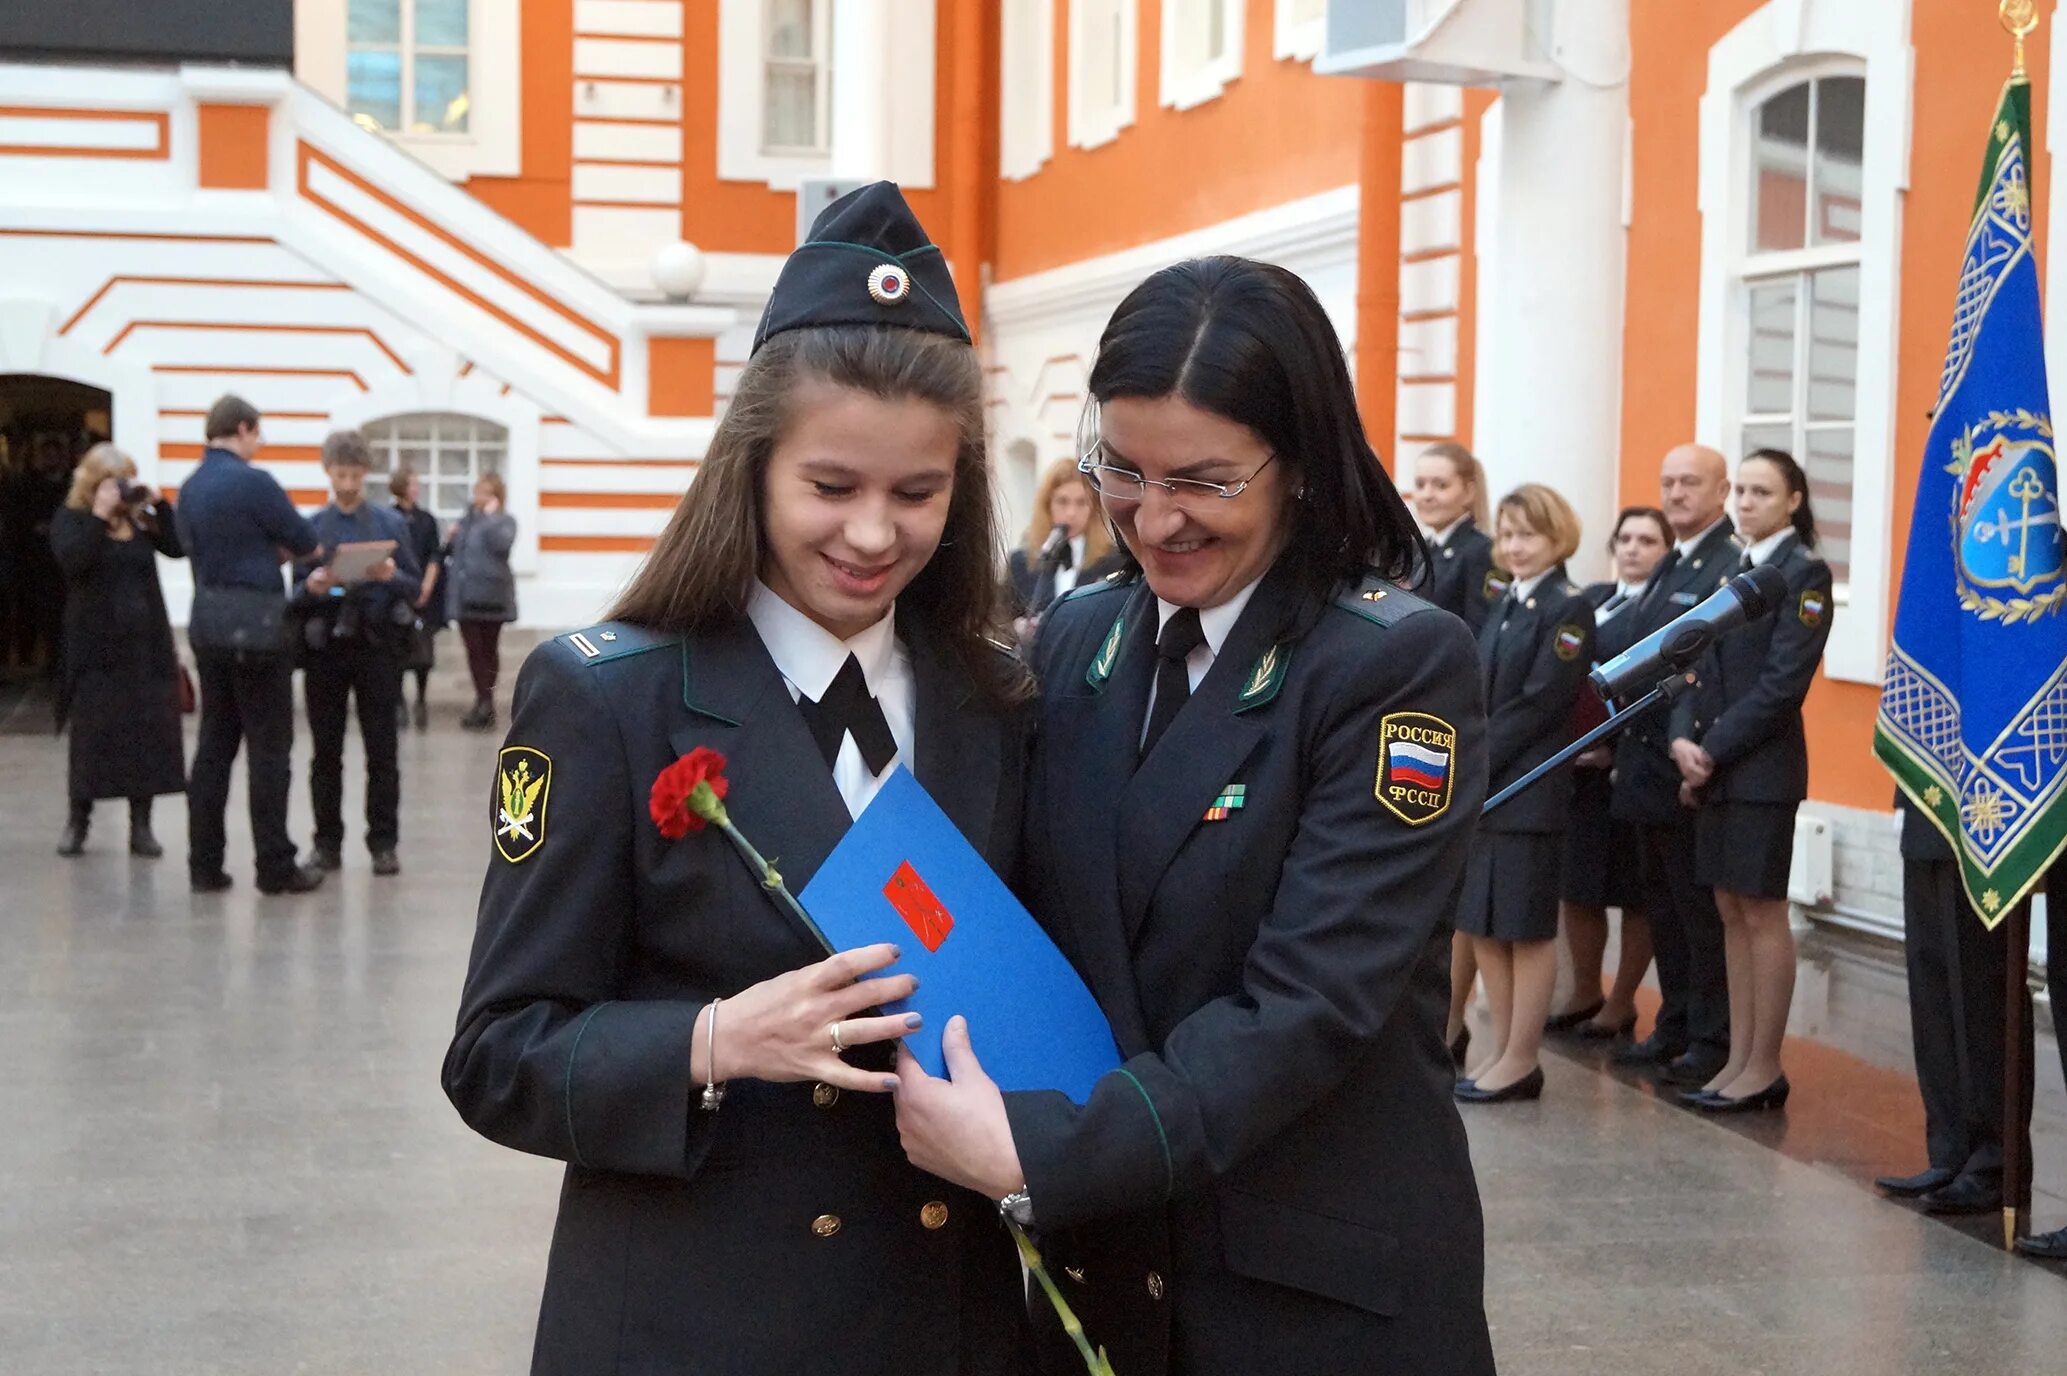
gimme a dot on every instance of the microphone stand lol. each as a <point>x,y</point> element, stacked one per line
<point>1669,689</point>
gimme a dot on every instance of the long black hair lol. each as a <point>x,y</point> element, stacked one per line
<point>1804,517</point>
<point>1250,342</point>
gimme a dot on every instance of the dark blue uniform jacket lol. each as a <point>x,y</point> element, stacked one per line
<point>1536,656</point>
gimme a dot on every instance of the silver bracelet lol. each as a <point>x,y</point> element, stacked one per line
<point>713,1092</point>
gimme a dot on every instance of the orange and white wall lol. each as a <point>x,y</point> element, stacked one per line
<point>170,235</point>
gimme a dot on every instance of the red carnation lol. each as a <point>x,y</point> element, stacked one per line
<point>687,794</point>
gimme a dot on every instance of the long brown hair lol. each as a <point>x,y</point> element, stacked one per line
<point>702,569</point>
<point>1097,535</point>
<point>96,466</point>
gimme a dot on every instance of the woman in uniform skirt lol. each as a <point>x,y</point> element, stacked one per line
<point>1744,761</point>
<point>1450,506</point>
<point>638,1006</point>
<point>1534,649</point>
<point>1601,868</point>
<point>1258,767</point>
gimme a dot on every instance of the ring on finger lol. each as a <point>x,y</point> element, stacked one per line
<point>839,1046</point>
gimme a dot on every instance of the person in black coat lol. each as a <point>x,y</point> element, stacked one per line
<point>816,611</point>
<point>425,541</point>
<point>1459,577</point>
<point>119,692</point>
<point>1744,760</point>
<point>1534,652</point>
<point>1691,1038</point>
<point>1602,865</point>
<point>1257,773</point>
<point>1035,574</point>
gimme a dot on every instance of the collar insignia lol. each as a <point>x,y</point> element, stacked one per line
<point>1108,654</point>
<point>1264,679</point>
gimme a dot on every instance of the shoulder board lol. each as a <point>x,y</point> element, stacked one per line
<point>1116,579</point>
<point>1380,602</point>
<point>610,640</point>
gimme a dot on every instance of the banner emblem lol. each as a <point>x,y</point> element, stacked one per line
<point>523,784</point>
<point>1415,754</point>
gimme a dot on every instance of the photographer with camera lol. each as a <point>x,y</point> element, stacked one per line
<point>355,633</point>
<point>119,681</point>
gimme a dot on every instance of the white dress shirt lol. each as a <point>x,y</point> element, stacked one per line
<point>1215,622</point>
<point>1066,579</point>
<point>1758,551</point>
<point>1620,600</point>
<point>809,657</point>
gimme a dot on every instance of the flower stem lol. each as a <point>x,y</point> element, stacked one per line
<point>1094,1361</point>
<point>771,879</point>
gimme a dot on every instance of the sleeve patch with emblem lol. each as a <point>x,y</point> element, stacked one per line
<point>523,784</point>
<point>1415,753</point>
<point>1811,608</point>
<point>1570,640</point>
<point>1495,586</point>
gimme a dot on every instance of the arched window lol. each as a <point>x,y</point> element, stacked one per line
<point>1799,279</point>
<point>449,452</point>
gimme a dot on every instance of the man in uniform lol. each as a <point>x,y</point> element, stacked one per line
<point>354,637</point>
<point>1692,1037</point>
<point>1957,974</point>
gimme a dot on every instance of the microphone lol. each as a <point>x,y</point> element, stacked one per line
<point>1052,547</point>
<point>1675,646</point>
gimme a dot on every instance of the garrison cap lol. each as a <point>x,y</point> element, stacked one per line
<point>868,262</point>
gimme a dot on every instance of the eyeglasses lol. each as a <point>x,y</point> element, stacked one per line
<point>1125,485</point>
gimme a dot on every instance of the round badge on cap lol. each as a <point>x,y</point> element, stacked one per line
<point>889,284</point>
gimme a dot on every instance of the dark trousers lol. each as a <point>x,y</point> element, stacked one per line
<point>1686,933</point>
<point>2056,954</point>
<point>483,641</point>
<point>1958,971</point>
<point>81,813</point>
<point>244,698</point>
<point>369,675</point>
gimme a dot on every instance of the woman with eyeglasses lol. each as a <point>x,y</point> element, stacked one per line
<point>1258,767</point>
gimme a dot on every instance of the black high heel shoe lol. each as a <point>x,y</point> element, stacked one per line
<point>1595,1032</point>
<point>1773,1095</point>
<point>1565,1022</point>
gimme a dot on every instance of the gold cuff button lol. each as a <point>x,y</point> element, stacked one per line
<point>824,1095</point>
<point>1155,1285</point>
<point>934,1215</point>
<point>825,1225</point>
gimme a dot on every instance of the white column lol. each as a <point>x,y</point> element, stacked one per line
<point>864,59</point>
<point>1547,405</point>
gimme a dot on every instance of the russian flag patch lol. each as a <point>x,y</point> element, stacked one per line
<point>1415,753</point>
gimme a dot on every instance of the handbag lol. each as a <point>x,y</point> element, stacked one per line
<point>187,699</point>
<point>419,653</point>
<point>250,621</point>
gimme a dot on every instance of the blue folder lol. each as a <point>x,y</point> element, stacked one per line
<point>905,874</point>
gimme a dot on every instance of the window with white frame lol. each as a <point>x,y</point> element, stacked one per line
<point>1101,70</point>
<point>1302,29</point>
<point>1202,49</point>
<point>1026,87</point>
<point>1799,285</point>
<point>450,453</point>
<point>406,65</point>
<point>796,76</point>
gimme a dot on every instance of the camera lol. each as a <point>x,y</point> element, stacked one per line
<point>136,494</point>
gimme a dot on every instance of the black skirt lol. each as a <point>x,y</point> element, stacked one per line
<point>1603,865</point>
<point>1744,848</point>
<point>1511,886</point>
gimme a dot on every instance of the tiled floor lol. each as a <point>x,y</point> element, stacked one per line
<point>226,1151</point>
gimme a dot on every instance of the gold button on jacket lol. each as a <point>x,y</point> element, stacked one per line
<point>825,1095</point>
<point>1155,1285</point>
<point>825,1225</point>
<point>934,1215</point>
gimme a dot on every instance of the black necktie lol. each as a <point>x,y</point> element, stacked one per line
<point>1181,635</point>
<point>1746,565</point>
<point>847,708</point>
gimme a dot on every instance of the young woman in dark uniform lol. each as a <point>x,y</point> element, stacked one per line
<point>1063,501</point>
<point>816,611</point>
<point>1534,650</point>
<point>1450,506</point>
<point>1256,777</point>
<point>1744,760</point>
<point>1602,868</point>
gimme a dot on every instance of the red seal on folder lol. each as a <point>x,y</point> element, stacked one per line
<point>924,913</point>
